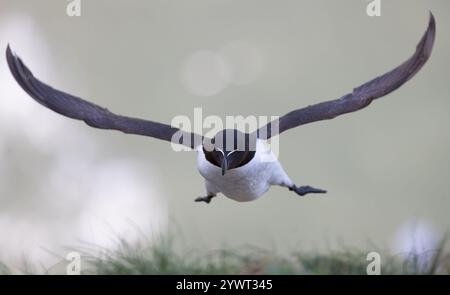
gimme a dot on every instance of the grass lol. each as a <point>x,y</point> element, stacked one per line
<point>162,258</point>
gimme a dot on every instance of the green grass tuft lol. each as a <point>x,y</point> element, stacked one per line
<point>161,258</point>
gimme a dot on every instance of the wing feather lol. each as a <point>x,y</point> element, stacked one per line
<point>361,96</point>
<point>94,115</point>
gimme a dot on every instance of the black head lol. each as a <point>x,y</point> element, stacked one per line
<point>230,149</point>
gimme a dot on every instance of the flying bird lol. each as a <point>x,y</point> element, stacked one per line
<point>242,174</point>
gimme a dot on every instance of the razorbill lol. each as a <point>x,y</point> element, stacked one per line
<point>233,163</point>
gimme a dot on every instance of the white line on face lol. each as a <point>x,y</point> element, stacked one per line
<point>220,150</point>
<point>231,152</point>
<point>223,153</point>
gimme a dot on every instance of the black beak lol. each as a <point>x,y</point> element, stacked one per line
<point>224,165</point>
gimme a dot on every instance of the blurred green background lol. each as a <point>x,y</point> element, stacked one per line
<point>386,168</point>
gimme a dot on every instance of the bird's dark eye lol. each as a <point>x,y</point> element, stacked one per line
<point>218,150</point>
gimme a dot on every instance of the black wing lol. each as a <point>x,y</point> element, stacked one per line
<point>94,115</point>
<point>362,96</point>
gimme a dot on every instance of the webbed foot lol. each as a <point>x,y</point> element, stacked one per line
<point>206,199</point>
<point>304,190</point>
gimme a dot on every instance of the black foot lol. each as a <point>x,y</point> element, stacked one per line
<point>206,199</point>
<point>304,190</point>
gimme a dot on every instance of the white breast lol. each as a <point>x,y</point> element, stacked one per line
<point>245,183</point>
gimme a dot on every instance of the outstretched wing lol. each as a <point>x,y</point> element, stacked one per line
<point>361,96</point>
<point>94,115</point>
